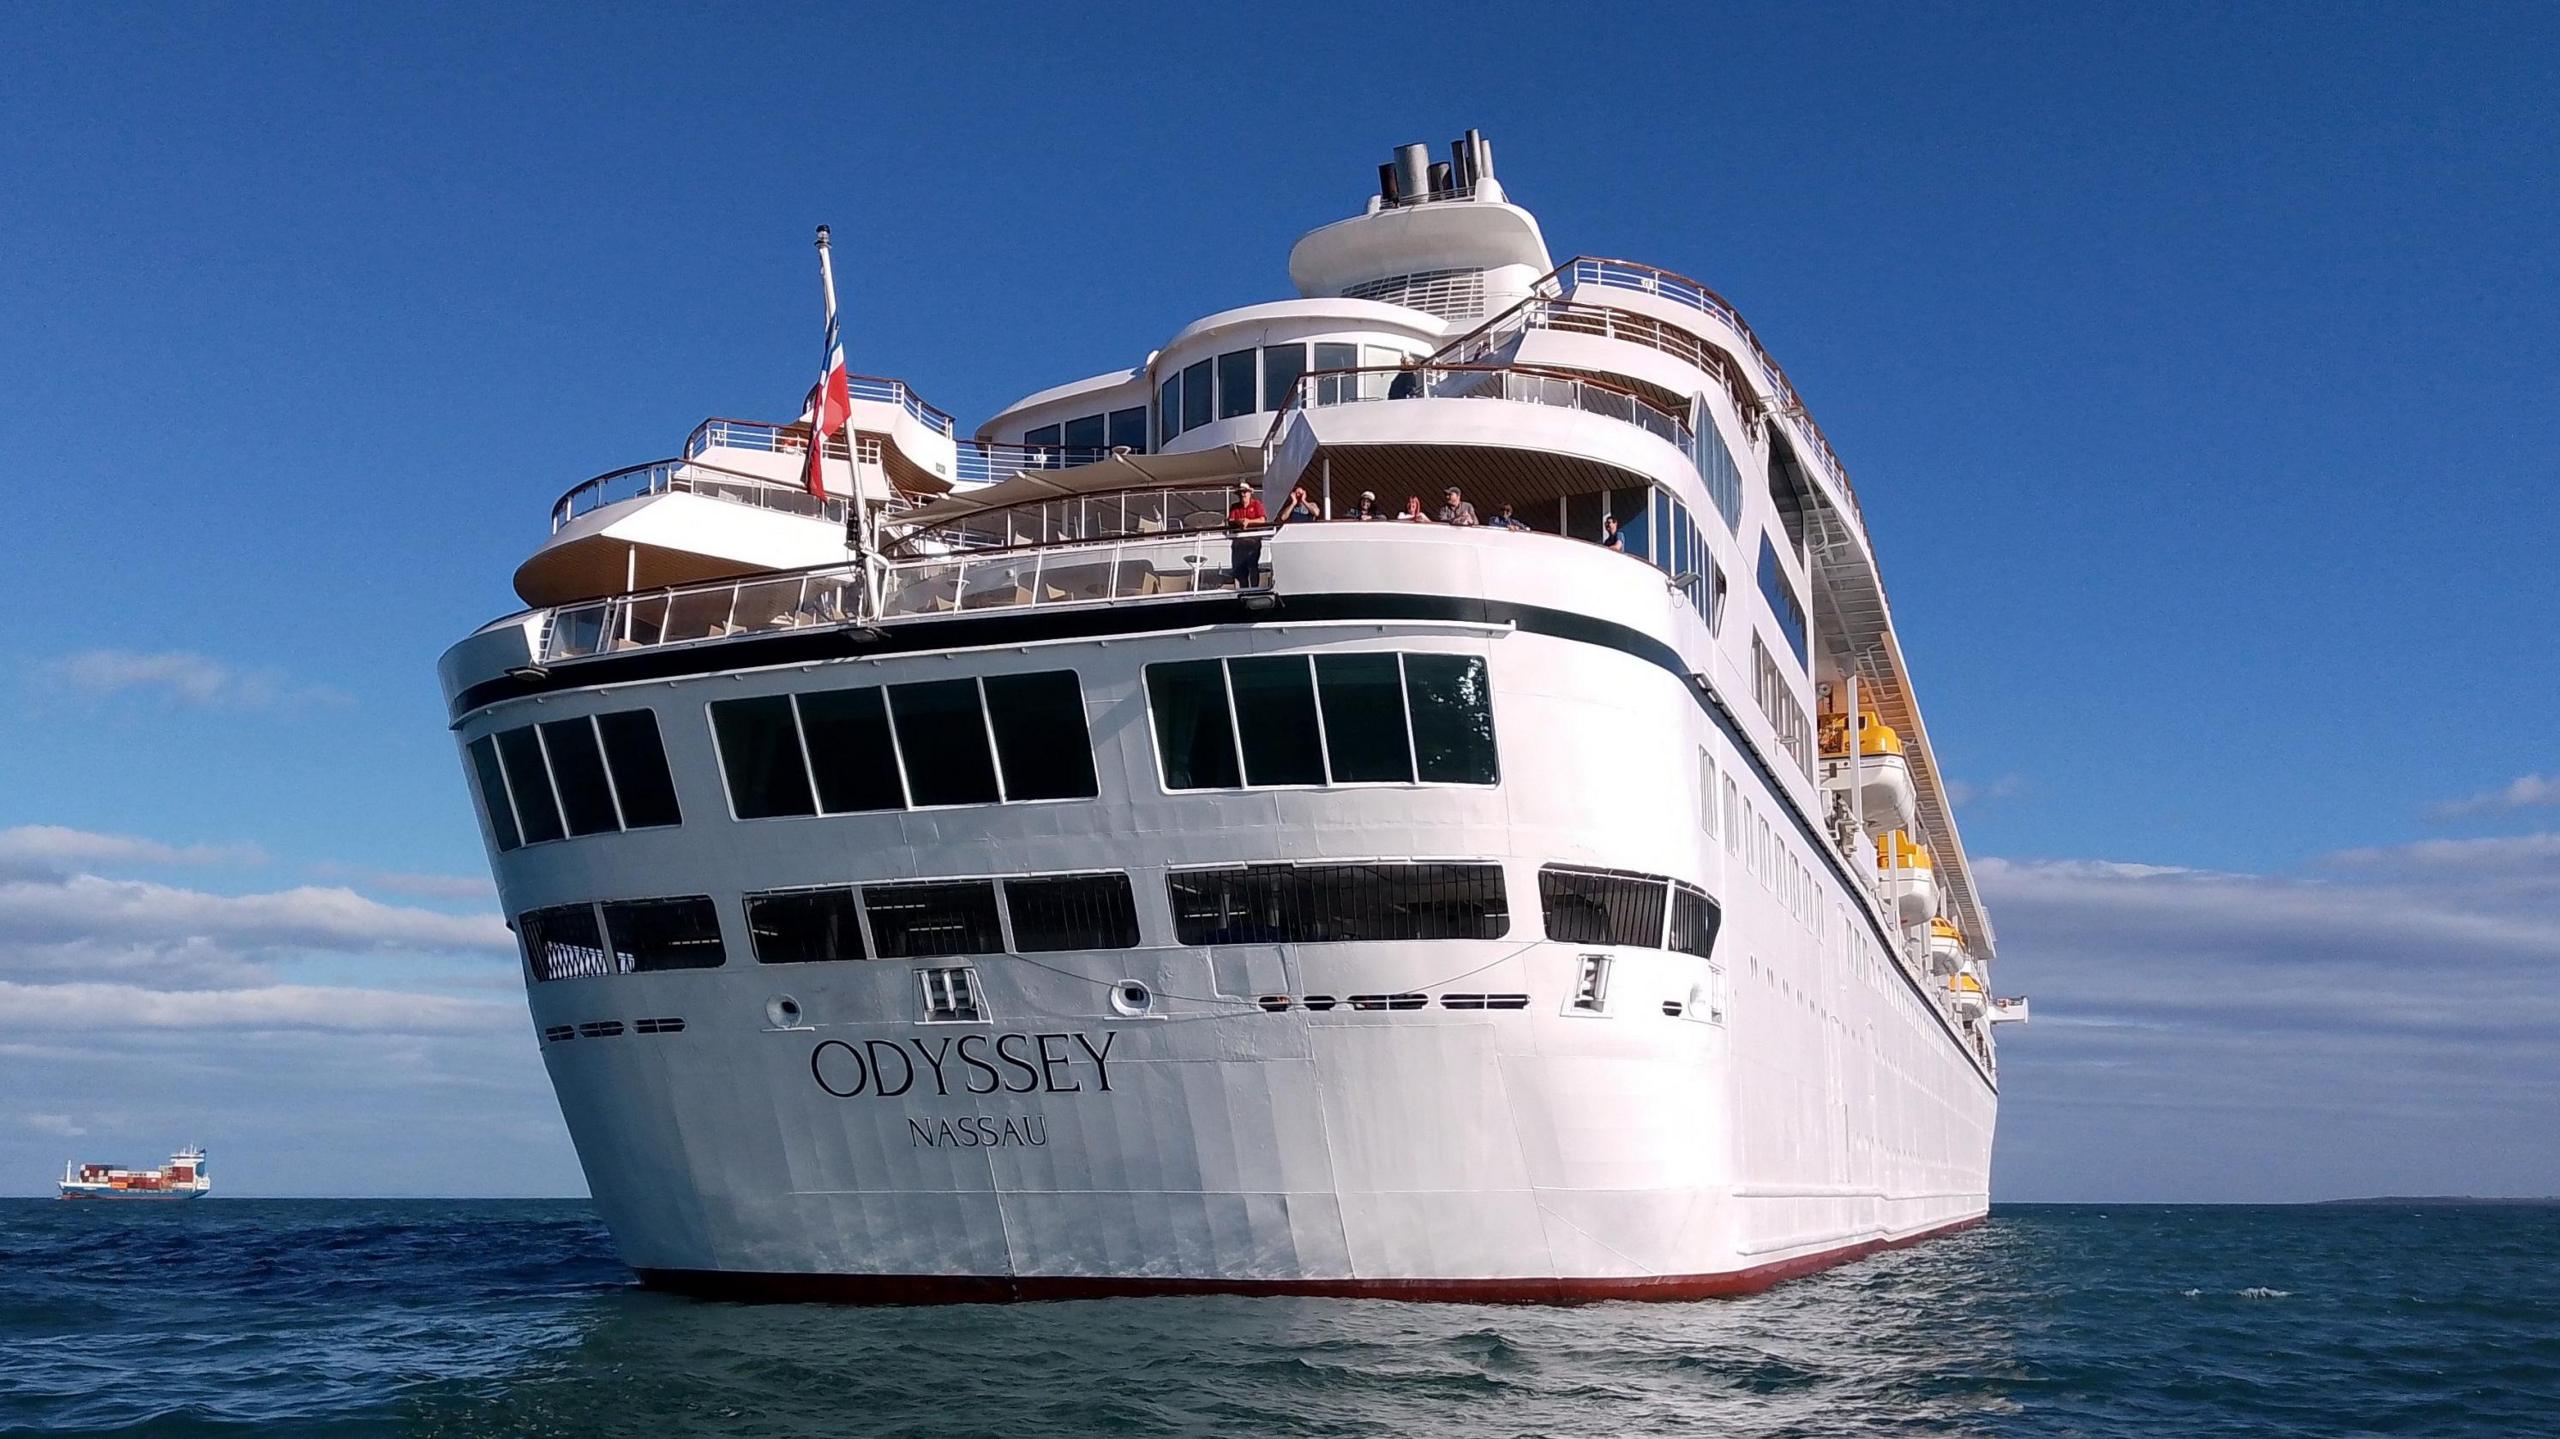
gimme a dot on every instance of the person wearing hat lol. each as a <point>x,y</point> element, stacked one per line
<point>1245,519</point>
<point>1368,509</point>
<point>1503,519</point>
<point>1454,510</point>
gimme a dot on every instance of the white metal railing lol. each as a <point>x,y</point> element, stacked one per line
<point>1518,384</point>
<point>982,462</point>
<point>874,387</point>
<point>977,461</point>
<point>1113,571</point>
<point>1072,519</point>
<point>665,476</point>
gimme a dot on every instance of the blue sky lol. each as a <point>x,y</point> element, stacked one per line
<point>2200,376</point>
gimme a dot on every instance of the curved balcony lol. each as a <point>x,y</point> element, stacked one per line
<point>1519,384</point>
<point>686,476</point>
<point>975,462</point>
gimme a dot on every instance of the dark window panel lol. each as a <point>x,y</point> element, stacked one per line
<point>577,769</point>
<point>760,754</point>
<point>1452,719</point>
<point>1238,392</point>
<point>804,926</point>
<point>536,811</point>
<point>1195,396</point>
<point>563,942</point>
<point>1169,410</point>
<point>1276,709</point>
<point>1193,733</point>
<point>1045,437</point>
<point>1129,427</point>
<point>849,752</point>
<point>1364,727</point>
<point>1602,906</point>
<point>921,921</point>
<point>942,734</point>
<point>1084,432</point>
<point>1321,904</point>
<point>1079,911</point>
<point>1582,516</point>
<point>1694,922</point>
<point>1781,594</point>
<point>1634,509</point>
<point>493,793</point>
<point>1041,739</point>
<point>1281,367</point>
<point>648,935</point>
<point>639,762</point>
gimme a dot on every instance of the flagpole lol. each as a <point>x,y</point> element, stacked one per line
<point>861,507</point>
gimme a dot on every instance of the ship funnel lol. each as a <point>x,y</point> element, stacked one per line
<point>1413,172</point>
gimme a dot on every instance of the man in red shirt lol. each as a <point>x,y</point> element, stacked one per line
<point>1245,564</point>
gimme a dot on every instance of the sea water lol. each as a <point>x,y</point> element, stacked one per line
<point>335,1317</point>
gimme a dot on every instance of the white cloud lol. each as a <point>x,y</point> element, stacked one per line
<point>89,908</point>
<point>53,848</point>
<point>425,886</point>
<point>275,1006</point>
<point>2527,792</point>
<point>59,1124</point>
<point>2007,786</point>
<point>187,678</point>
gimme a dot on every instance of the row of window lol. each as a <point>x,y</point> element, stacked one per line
<point>1095,432</point>
<point>1762,849</point>
<point>1317,719</point>
<point>979,740</point>
<point>1771,689</point>
<point>1244,382</point>
<point>1247,904</point>
<point>1780,592</point>
<point>594,774</point>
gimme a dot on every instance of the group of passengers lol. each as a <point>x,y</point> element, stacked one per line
<point>1247,514</point>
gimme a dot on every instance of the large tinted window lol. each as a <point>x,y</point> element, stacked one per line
<point>1195,396</point>
<point>639,762</point>
<point>1041,738</point>
<point>1085,432</point>
<point>804,926</point>
<point>1452,706</point>
<point>1044,438</point>
<point>577,771</point>
<point>942,735</point>
<point>1276,708</point>
<point>654,934</point>
<point>563,942</point>
<point>1335,389</point>
<point>1076,911</point>
<point>535,810</point>
<point>1364,728</point>
<point>1781,595</point>
<point>1169,410</point>
<point>1129,428</point>
<point>493,792</point>
<point>1694,920</point>
<point>919,921</point>
<point>1193,734</point>
<point>760,755</point>
<point>1602,906</point>
<point>849,750</point>
<point>1281,367</point>
<point>1238,390</point>
<point>1319,904</point>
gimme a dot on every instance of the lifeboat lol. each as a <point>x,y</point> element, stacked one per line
<point>1883,774</point>
<point>1946,945</point>
<point>1909,879</point>
<point>1967,989</point>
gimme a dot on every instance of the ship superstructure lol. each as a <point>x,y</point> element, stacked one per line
<point>1095,889</point>
<point>183,1177</point>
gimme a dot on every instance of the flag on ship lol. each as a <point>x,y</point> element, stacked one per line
<point>831,403</point>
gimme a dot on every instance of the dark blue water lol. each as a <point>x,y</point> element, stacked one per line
<point>427,1317</point>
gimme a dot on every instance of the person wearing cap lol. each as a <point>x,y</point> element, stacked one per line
<point>1503,519</point>
<point>1244,563</point>
<point>1454,510</point>
<point>1368,509</point>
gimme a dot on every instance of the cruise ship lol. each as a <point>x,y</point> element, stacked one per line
<point>1106,852</point>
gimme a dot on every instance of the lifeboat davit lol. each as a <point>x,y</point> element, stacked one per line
<point>1971,1002</point>
<point>1910,879</point>
<point>1885,795</point>
<point>1946,945</point>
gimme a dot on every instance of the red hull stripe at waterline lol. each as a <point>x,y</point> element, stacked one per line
<point>1008,1289</point>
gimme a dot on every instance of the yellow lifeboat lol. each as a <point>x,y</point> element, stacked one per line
<point>1971,1002</point>
<point>1882,773</point>
<point>1910,882</point>
<point>1946,946</point>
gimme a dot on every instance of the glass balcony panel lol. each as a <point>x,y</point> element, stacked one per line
<point>766,605</point>
<point>697,615</point>
<point>999,582</point>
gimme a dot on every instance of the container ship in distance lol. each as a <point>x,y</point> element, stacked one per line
<point>183,1177</point>
<point>1018,872</point>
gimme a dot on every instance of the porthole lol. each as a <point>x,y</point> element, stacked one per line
<point>1131,999</point>
<point>783,1012</point>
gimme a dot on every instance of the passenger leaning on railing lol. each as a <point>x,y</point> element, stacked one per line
<point>1368,509</point>
<point>1454,510</point>
<point>1245,519</point>
<point>1413,510</point>
<point>1503,519</point>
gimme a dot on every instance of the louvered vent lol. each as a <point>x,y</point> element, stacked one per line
<point>1449,294</point>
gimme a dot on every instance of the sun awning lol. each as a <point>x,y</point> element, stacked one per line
<point>1118,472</point>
